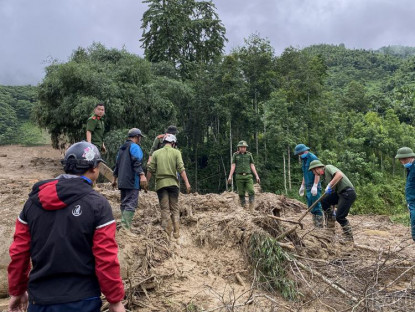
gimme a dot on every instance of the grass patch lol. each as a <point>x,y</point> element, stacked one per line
<point>402,218</point>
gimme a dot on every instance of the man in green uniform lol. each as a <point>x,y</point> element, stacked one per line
<point>164,164</point>
<point>339,191</point>
<point>158,141</point>
<point>243,166</point>
<point>95,128</point>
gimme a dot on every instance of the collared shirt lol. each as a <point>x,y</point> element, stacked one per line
<point>95,125</point>
<point>343,184</point>
<point>164,164</point>
<point>308,175</point>
<point>242,162</point>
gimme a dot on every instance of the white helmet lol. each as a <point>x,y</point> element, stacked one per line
<point>171,138</point>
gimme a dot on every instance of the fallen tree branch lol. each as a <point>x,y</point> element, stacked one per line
<point>285,220</point>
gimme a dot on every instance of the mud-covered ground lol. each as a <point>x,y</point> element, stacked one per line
<point>209,267</point>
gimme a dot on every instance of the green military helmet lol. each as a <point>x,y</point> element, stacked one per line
<point>405,152</point>
<point>315,164</point>
<point>242,143</point>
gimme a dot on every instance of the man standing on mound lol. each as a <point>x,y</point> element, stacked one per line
<point>164,164</point>
<point>129,172</point>
<point>243,166</point>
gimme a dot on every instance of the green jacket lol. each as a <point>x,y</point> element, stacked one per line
<point>165,163</point>
<point>242,162</point>
<point>96,126</point>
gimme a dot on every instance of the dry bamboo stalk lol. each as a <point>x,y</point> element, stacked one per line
<point>239,279</point>
<point>285,220</point>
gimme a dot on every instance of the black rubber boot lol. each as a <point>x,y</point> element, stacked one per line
<point>347,232</point>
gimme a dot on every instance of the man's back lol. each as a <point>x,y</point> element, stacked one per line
<point>166,162</point>
<point>62,216</point>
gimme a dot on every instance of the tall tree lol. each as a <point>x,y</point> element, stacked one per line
<point>182,32</point>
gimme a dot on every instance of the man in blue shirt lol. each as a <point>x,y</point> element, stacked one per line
<point>311,183</point>
<point>406,156</point>
<point>129,172</point>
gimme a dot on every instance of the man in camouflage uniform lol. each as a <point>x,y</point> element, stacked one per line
<point>243,166</point>
<point>159,141</point>
<point>95,128</point>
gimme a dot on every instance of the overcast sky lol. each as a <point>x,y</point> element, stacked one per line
<point>35,31</point>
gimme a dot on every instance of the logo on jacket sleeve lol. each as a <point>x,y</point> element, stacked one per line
<point>77,211</point>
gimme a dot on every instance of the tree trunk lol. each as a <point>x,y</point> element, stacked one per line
<point>289,167</point>
<point>256,126</point>
<point>230,152</point>
<point>285,175</point>
<point>265,144</point>
<point>196,169</point>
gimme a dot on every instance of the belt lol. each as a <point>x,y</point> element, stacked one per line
<point>243,173</point>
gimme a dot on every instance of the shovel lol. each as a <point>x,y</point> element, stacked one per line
<point>281,236</point>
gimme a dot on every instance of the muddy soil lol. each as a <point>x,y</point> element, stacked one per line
<point>209,267</point>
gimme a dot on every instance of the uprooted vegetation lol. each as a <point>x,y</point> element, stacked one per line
<point>229,260</point>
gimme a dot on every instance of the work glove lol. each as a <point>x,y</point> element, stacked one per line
<point>144,185</point>
<point>230,181</point>
<point>314,189</point>
<point>114,183</point>
<point>301,190</point>
<point>258,180</point>
<point>329,190</point>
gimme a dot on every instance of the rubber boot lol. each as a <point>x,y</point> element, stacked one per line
<point>347,232</point>
<point>127,219</point>
<point>251,203</point>
<point>242,201</point>
<point>166,223</point>
<point>176,226</point>
<point>330,218</point>
<point>318,221</point>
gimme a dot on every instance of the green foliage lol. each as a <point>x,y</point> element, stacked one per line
<point>402,218</point>
<point>354,108</point>
<point>8,124</point>
<point>133,96</point>
<point>30,134</point>
<point>16,105</point>
<point>269,262</point>
<point>384,196</point>
<point>182,33</point>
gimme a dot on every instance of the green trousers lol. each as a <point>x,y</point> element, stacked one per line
<point>244,183</point>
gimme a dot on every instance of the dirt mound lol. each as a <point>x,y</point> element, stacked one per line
<point>227,259</point>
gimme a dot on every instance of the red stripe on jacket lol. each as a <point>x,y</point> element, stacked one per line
<point>19,267</point>
<point>48,196</point>
<point>107,266</point>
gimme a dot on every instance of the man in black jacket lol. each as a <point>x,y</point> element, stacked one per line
<point>129,172</point>
<point>67,230</point>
